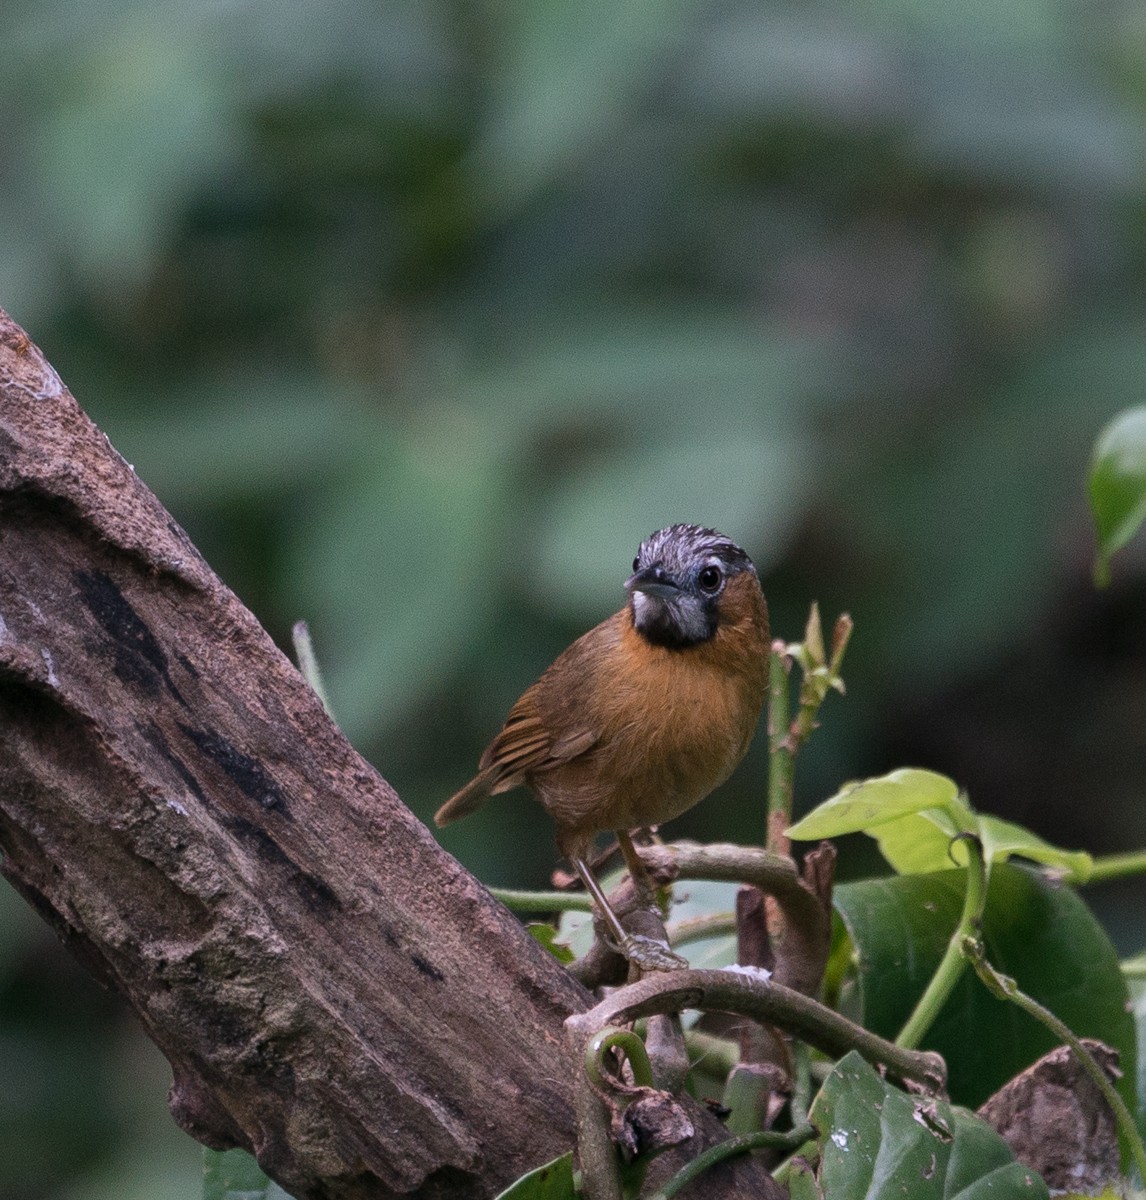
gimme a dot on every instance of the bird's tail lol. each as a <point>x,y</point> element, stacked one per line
<point>469,799</point>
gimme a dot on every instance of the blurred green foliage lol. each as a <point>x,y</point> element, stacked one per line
<point>1117,486</point>
<point>419,316</point>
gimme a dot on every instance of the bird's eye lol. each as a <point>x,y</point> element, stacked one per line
<point>709,579</point>
<point>637,563</point>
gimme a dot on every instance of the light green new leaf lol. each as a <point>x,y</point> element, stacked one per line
<point>697,900</point>
<point>234,1175</point>
<point>920,842</point>
<point>923,842</point>
<point>1117,486</point>
<point>1003,839</point>
<point>916,815</point>
<point>553,1181</point>
<point>861,807</point>
<point>878,1142</point>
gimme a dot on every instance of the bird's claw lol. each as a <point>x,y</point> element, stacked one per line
<point>650,954</point>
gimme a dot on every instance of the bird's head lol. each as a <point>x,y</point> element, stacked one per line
<point>687,581</point>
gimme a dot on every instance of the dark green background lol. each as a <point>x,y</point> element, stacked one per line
<point>419,316</point>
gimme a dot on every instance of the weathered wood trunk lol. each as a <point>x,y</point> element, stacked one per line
<point>332,990</point>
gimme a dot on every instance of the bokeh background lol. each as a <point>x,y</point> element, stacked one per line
<point>420,315</point>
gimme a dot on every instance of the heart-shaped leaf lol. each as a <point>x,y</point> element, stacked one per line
<point>924,842</point>
<point>863,806</point>
<point>916,815</point>
<point>878,1143</point>
<point>1035,929</point>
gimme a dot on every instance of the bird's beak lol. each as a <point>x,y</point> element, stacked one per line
<point>653,581</point>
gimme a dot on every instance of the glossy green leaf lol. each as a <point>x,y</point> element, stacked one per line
<point>1035,929</point>
<point>234,1175</point>
<point>862,806</point>
<point>1117,486</point>
<point>915,816</point>
<point>922,842</point>
<point>878,1143</point>
<point>553,1181</point>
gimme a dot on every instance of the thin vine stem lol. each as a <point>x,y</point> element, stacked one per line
<point>765,1139</point>
<point>781,759</point>
<point>1118,866</point>
<point>517,900</point>
<point>1005,988</point>
<point>954,960</point>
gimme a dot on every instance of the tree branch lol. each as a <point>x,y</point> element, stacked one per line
<point>333,991</point>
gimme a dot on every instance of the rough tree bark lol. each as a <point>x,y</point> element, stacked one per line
<point>333,991</point>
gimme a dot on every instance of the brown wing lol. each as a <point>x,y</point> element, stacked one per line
<point>528,744</point>
<point>524,745</point>
<point>553,722</point>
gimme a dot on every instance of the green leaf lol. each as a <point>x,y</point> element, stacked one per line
<point>1117,486</point>
<point>878,1143</point>
<point>553,1181</point>
<point>546,934</point>
<point>265,433</point>
<point>141,142</point>
<point>802,1183</point>
<point>915,816</point>
<point>1035,929</point>
<point>1003,840</point>
<point>860,807</point>
<point>575,928</point>
<point>922,842</point>
<point>1113,1192</point>
<point>234,1175</point>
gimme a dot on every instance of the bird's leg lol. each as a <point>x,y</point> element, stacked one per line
<point>643,883</point>
<point>645,952</point>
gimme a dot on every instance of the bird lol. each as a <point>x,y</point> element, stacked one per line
<point>643,716</point>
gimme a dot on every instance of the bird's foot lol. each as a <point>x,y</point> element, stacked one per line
<point>650,954</point>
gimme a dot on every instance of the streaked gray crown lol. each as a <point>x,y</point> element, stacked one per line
<point>680,547</point>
